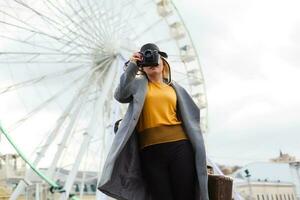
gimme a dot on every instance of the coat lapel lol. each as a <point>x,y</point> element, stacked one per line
<point>190,116</point>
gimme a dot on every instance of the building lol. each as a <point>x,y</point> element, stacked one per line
<point>265,190</point>
<point>4,193</point>
<point>12,171</point>
<point>284,158</point>
<point>268,181</point>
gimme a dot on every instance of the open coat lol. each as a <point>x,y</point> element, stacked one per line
<point>121,175</point>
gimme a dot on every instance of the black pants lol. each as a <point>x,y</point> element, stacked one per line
<point>169,170</point>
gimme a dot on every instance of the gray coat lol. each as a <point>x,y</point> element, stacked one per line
<point>121,176</point>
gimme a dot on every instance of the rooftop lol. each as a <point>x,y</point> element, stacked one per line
<point>265,171</point>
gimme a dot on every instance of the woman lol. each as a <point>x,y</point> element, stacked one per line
<point>158,152</point>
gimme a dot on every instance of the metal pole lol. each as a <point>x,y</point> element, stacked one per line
<point>250,196</point>
<point>37,191</point>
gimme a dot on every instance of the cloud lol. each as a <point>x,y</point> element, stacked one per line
<point>249,55</point>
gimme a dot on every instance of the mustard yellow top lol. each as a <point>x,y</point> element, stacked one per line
<point>158,122</point>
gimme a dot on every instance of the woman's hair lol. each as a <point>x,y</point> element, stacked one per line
<point>166,73</point>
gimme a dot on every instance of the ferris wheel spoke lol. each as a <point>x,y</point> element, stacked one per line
<point>148,28</point>
<point>73,35</point>
<point>127,49</point>
<point>44,104</point>
<point>102,27</point>
<point>123,30</point>
<point>60,40</point>
<point>42,16</point>
<point>39,79</point>
<point>109,18</point>
<point>42,62</point>
<point>30,57</point>
<point>77,140</point>
<point>68,131</point>
<point>77,100</point>
<point>104,12</point>
<point>36,31</point>
<point>182,79</point>
<point>83,21</point>
<point>180,72</point>
<point>165,40</point>
<point>37,54</point>
<point>55,24</point>
<point>74,31</point>
<point>142,15</point>
<point>106,16</point>
<point>84,144</point>
<point>29,43</point>
<point>107,87</point>
<point>116,22</point>
<point>84,30</point>
<point>65,114</point>
<point>193,74</point>
<point>87,16</point>
<point>80,104</point>
<point>83,179</point>
<point>99,29</point>
<point>90,151</point>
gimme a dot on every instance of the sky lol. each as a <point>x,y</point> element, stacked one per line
<point>249,56</point>
<point>249,51</point>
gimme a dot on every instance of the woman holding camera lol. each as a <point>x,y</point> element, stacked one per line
<point>159,144</point>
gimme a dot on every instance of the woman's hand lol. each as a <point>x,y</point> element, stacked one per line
<point>136,57</point>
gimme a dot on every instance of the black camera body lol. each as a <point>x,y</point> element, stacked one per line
<point>149,58</point>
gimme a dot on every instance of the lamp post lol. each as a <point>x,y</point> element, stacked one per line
<point>250,197</point>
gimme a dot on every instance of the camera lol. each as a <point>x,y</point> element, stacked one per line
<point>149,58</point>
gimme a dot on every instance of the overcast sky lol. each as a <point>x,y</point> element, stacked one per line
<point>249,52</point>
<point>249,55</point>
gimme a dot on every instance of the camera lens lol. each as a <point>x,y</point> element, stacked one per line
<point>148,53</point>
<point>150,58</point>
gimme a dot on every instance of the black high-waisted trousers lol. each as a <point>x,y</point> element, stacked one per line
<point>169,170</point>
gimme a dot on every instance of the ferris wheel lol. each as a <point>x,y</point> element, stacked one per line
<point>60,62</point>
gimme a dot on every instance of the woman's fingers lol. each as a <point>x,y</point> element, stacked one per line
<point>136,57</point>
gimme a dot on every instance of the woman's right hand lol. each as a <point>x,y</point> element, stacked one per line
<point>136,57</point>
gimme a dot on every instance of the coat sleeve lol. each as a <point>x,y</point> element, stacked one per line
<point>124,90</point>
